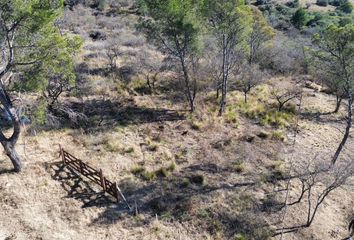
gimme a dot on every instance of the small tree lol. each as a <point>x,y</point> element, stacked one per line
<point>283,95</point>
<point>174,26</point>
<point>229,24</point>
<point>318,180</point>
<point>55,74</point>
<point>346,7</point>
<point>335,51</point>
<point>299,18</point>
<point>152,67</point>
<point>28,36</point>
<point>112,54</point>
<point>261,34</point>
<point>250,76</point>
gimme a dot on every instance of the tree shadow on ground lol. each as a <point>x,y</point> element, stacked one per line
<point>322,117</point>
<point>174,198</point>
<point>104,114</point>
<point>7,171</point>
<point>80,189</point>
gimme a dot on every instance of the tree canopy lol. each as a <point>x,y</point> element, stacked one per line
<point>34,49</point>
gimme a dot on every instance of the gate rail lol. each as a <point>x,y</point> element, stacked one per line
<point>96,176</point>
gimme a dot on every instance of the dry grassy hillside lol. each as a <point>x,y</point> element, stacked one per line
<point>215,188</point>
<point>189,176</point>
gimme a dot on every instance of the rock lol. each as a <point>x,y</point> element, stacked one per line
<point>313,86</point>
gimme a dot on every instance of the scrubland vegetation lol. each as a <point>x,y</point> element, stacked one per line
<point>219,119</point>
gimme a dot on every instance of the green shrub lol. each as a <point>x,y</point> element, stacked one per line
<point>335,3</point>
<point>252,110</point>
<point>165,172</point>
<point>322,3</point>
<point>346,7</point>
<point>299,18</point>
<point>345,21</point>
<point>257,111</point>
<point>148,176</point>
<point>140,171</point>
<point>277,170</point>
<point>278,135</point>
<point>152,146</point>
<point>230,115</point>
<point>162,172</point>
<point>240,236</point>
<point>196,125</point>
<point>276,119</point>
<point>140,86</point>
<point>185,182</point>
<point>40,113</point>
<point>129,150</point>
<point>171,167</point>
<point>239,166</point>
<point>137,170</point>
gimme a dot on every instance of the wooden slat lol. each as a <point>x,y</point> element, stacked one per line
<point>92,174</point>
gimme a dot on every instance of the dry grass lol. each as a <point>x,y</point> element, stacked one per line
<point>170,165</point>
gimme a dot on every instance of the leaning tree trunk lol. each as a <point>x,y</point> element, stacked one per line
<point>9,143</point>
<point>338,103</point>
<point>12,154</point>
<point>347,129</point>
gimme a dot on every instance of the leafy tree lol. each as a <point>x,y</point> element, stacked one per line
<point>175,27</point>
<point>229,23</point>
<point>334,56</point>
<point>28,36</point>
<point>55,74</point>
<point>346,7</point>
<point>299,18</point>
<point>260,35</point>
<point>322,3</point>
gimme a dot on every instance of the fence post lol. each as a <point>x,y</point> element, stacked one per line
<point>62,154</point>
<point>115,187</point>
<point>103,182</point>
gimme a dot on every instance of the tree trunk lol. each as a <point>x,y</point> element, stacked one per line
<point>223,96</point>
<point>245,94</point>
<point>338,103</point>
<point>347,130</point>
<point>224,79</point>
<point>280,106</point>
<point>10,151</point>
<point>189,94</point>
<point>9,143</point>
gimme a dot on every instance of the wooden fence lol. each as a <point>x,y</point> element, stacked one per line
<point>96,176</point>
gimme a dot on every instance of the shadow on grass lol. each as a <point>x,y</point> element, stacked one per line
<point>7,171</point>
<point>177,197</point>
<point>321,117</point>
<point>79,188</point>
<point>105,114</point>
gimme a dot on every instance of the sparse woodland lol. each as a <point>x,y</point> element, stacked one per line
<point>218,119</point>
